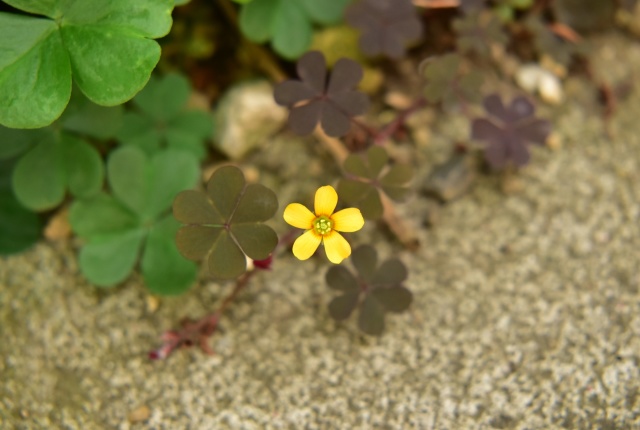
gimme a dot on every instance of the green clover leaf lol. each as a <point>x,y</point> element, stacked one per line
<point>368,176</point>
<point>448,84</point>
<point>19,227</point>
<point>288,24</point>
<point>380,287</point>
<point>161,119</point>
<point>53,160</point>
<point>133,224</point>
<point>106,45</point>
<point>226,223</point>
<point>57,163</point>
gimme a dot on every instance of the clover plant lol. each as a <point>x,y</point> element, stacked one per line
<point>105,46</point>
<point>288,24</point>
<point>368,175</point>
<point>133,223</point>
<point>59,159</point>
<point>508,131</point>
<point>161,120</point>
<point>225,223</point>
<point>67,67</point>
<point>375,289</point>
<point>314,99</point>
<point>447,83</point>
<point>19,227</point>
<point>386,26</point>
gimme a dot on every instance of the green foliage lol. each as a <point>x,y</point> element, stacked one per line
<point>506,9</point>
<point>58,163</point>
<point>19,227</point>
<point>379,286</point>
<point>106,45</point>
<point>447,83</point>
<point>226,223</point>
<point>162,120</point>
<point>368,176</point>
<point>478,32</point>
<point>288,24</point>
<point>54,160</point>
<point>134,221</point>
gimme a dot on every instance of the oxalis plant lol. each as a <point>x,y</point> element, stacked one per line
<point>86,129</point>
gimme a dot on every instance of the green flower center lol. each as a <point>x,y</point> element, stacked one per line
<point>322,225</point>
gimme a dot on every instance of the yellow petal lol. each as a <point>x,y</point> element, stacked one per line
<point>298,216</point>
<point>336,247</point>
<point>326,200</point>
<point>306,245</point>
<point>348,220</point>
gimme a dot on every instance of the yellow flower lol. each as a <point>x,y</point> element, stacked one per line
<point>323,226</point>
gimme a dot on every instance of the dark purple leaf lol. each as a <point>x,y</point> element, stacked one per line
<point>386,25</point>
<point>365,260</point>
<point>391,272</point>
<point>334,121</point>
<point>494,107</point>
<point>303,119</point>
<point>380,286</point>
<point>508,133</point>
<point>352,102</point>
<point>483,129</point>
<point>471,5</point>
<point>371,318</point>
<point>536,131</point>
<point>520,108</point>
<point>393,299</point>
<point>312,70</point>
<point>288,93</point>
<point>313,101</point>
<point>345,76</point>
<point>339,278</point>
<point>342,306</point>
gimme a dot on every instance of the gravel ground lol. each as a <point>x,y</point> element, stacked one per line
<point>526,315</point>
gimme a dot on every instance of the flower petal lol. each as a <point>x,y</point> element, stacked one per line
<point>325,201</point>
<point>298,216</point>
<point>348,220</point>
<point>336,247</point>
<point>306,245</point>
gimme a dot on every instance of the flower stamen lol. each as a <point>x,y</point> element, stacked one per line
<point>322,225</point>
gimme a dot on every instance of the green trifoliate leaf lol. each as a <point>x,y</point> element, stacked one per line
<point>84,117</point>
<point>134,221</point>
<point>288,24</point>
<point>165,271</point>
<point>146,185</point>
<point>14,142</point>
<point>109,259</point>
<point>162,120</point>
<point>19,227</point>
<point>106,45</point>
<point>59,162</point>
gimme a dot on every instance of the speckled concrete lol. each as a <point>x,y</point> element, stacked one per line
<point>526,315</point>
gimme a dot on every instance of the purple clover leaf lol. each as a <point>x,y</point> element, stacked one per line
<point>508,131</point>
<point>376,289</point>
<point>471,5</point>
<point>386,25</point>
<point>315,99</point>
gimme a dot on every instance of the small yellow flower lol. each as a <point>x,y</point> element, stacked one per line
<point>323,226</point>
